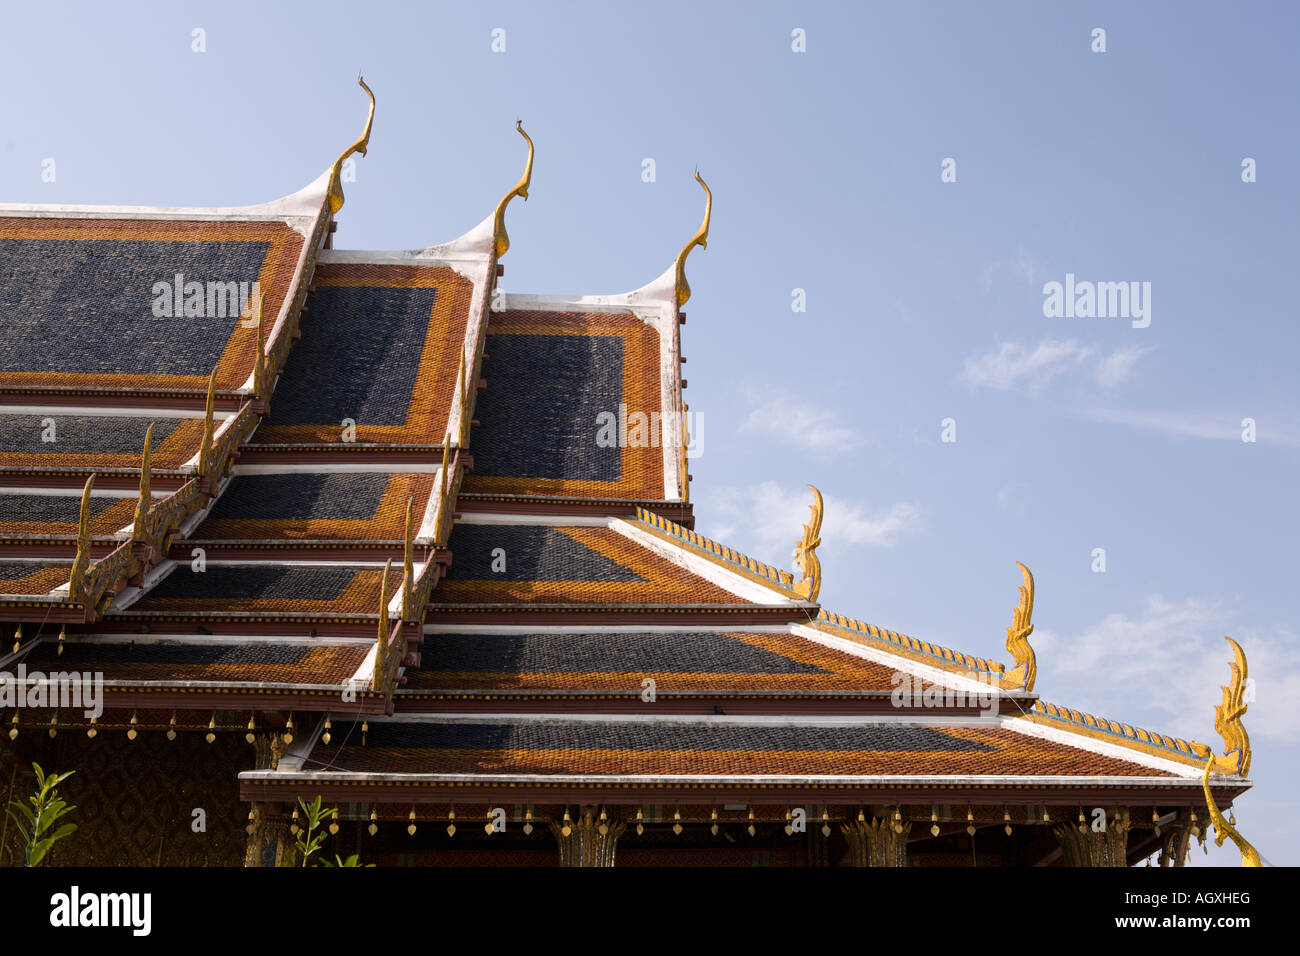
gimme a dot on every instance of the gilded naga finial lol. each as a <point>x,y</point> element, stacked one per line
<point>205,449</point>
<point>805,556</point>
<point>381,649</point>
<point>142,505</point>
<point>701,239</point>
<point>1227,719</point>
<point>81,563</point>
<point>501,241</point>
<point>363,141</point>
<point>1235,758</point>
<point>408,563</point>
<point>1222,828</point>
<point>262,377</point>
<point>1025,669</point>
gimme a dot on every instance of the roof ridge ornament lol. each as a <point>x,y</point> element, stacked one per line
<point>205,449</point>
<point>1235,758</point>
<point>81,563</point>
<point>138,530</point>
<point>363,141</point>
<point>408,563</point>
<point>1025,671</point>
<point>501,241</point>
<point>701,239</point>
<point>805,557</point>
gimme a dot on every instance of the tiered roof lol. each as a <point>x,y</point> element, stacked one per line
<point>393,483</point>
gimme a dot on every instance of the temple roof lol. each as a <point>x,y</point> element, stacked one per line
<point>517,463</point>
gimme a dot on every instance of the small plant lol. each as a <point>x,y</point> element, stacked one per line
<point>309,840</point>
<point>36,821</point>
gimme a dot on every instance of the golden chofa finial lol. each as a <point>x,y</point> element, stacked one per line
<point>142,505</point>
<point>1025,669</point>
<point>1227,720</point>
<point>363,141</point>
<point>805,557</point>
<point>500,241</point>
<point>701,239</point>
<point>1235,758</point>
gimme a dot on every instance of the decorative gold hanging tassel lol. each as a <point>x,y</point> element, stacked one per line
<point>451,825</point>
<point>750,828</point>
<point>603,829</point>
<point>334,823</point>
<point>63,632</point>
<point>171,727</point>
<point>365,726</point>
<point>1006,817</point>
<point>934,821</point>
<point>250,737</point>
<point>970,821</point>
<point>826,823</point>
<point>789,827</point>
<point>54,724</point>
<point>211,735</point>
<point>898,820</point>
<point>374,824</point>
<point>566,824</point>
<point>1155,819</point>
<point>13,728</point>
<point>18,638</point>
<point>293,822</point>
<point>325,737</point>
<point>714,817</point>
<point>288,730</point>
<point>528,821</point>
<point>677,822</point>
<point>131,732</point>
<point>640,827</point>
<point>91,731</point>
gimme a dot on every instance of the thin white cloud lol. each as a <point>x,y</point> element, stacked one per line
<point>1015,366</point>
<point>1115,368</point>
<point>769,517</point>
<point>796,422</point>
<point>1161,668</point>
<point>1194,425</point>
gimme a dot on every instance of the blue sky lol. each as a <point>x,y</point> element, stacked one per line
<point>924,298</point>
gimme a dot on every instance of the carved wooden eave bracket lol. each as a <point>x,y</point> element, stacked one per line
<point>805,552</point>
<point>335,193</point>
<point>500,240</point>
<point>1024,670</point>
